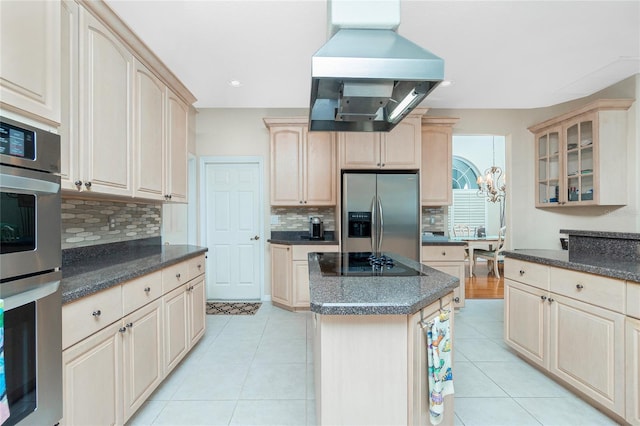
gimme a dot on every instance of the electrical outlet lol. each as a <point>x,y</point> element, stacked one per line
<point>112,222</point>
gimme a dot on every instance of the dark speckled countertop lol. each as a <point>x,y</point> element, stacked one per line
<point>301,238</point>
<point>440,240</point>
<point>622,269</point>
<point>88,270</point>
<point>344,295</point>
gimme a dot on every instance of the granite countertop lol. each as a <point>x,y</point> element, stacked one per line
<point>376,295</point>
<point>301,238</point>
<point>440,240</point>
<point>594,264</point>
<point>89,270</point>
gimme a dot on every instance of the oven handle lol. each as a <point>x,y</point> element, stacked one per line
<point>21,183</point>
<point>32,295</point>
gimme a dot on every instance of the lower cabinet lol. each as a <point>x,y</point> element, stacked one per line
<point>581,344</point>
<point>450,260</point>
<point>111,368</point>
<point>290,274</point>
<point>633,370</point>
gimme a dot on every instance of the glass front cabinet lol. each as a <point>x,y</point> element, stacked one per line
<point>581,156</point>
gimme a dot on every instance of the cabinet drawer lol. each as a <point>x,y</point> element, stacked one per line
<point>84,317</point>
<point>605,292</point>
<point>302,252</point>
<point>534,274</point>
<point>633,299</point>
<point>196,266</point>
<point>174,276</point>
<point>137,293</point>
<point>443,253</point>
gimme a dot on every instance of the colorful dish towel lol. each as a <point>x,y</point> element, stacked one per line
<point>4,403</point>
<point>439,362</point>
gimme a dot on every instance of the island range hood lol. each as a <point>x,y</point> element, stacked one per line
<point>368,80</point>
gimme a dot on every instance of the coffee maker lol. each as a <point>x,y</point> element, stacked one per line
<point>316,228</point>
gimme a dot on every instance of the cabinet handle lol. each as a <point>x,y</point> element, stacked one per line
<point>147,289</point>
<point>78,183</point>
<point>129,325</point>
<point>543,298</point>
<point>456,299</point>
<point>96,313</point>
<point>550,300</point>
<point>579,286</point>
<point>178,275</point>
<point>444,253</point>
<point>122,329</point>
<point>87,185</point>
<point>521,272</point>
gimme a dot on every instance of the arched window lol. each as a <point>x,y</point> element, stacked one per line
<point>464,174</point>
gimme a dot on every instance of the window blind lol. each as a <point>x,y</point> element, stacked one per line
<point>467,209</point>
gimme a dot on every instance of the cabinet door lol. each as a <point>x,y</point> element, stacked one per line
<point>281,274</point>
<point>92,379</point>
<point>587,350</point>
<point>69,137</point>
<point>526,321</point>
<point>580,138</point>
<point>400,148</point>
<point>30,57</point>
<point>286,166</point>
<point>633,370</point>
<point>549,168</point>
<point>457,270</point>
<point>176,343</point>
<point>105,115</point>
<point>301,297</point>
<point>142,360</point>
<point>435,180</point>
<point>320,169</point>
<point>177,135</point>
<point>149,137</point>
<point>360,150</point>
<point>197,310</point>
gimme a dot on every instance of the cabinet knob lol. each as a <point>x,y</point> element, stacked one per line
<point>129,325</point>
<point>199,266</point>
<point>122,329</point>
<point>178,275</point>
<point>579,286</point>
<point>456,299</point>
<point>305,201</point>
<point>96,313</point>
<point>87,185</point>
<point>378,164</point>
<point>521,272</point>
<point>444,253</point>
<point>550,300</point>
<point>78,183</point>
<point>382,164</point>
<point>147,289</point>
<point>170,196</point>
<point>300,201</point>
<point>543,298</point>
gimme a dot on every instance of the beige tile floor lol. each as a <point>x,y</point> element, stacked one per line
<point>258,370</point>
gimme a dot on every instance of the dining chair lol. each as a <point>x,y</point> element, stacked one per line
<point>460,230</point>
<point>494,256</point>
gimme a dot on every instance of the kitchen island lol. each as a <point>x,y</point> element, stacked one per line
<point>369,348</point>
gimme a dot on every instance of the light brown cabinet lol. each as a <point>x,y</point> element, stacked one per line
<point>290,274</point>
<point>572,325</point>
<point>450,260</point>
<point>436,162</point>
<point>397,149</point>
<point>633,370</point>
<point>177,137</point>
<point>303,164</point>
<point>30,72</point>
<point>578,156</point>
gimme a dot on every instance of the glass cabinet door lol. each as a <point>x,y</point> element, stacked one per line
<point>548,170</point>
<point>579,172</point>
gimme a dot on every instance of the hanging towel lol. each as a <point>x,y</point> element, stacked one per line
<point>4,403</point>
<point>439,364</point>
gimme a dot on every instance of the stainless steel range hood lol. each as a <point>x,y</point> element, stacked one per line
<point>368,80</point>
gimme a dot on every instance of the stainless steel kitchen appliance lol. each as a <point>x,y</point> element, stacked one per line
<point>381,213</point>
<point>30,260</point>
<point>316,228</point>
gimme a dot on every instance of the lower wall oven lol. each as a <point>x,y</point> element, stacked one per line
<point>33,349</point>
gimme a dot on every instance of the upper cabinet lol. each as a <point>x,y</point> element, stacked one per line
<point>578,156</point>
<point>30,76</point>
<point>125,133</point>
<point>303,164</point>
<point>435,170</point>
<point>397,149</point>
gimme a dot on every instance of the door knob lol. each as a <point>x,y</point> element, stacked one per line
<point>257,237</point>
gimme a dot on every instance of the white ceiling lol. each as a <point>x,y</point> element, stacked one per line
<point>499,54</point>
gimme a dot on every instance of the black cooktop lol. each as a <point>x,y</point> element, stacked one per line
<point>363,264</point>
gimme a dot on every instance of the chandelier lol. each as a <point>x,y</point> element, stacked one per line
<point>492,184</point>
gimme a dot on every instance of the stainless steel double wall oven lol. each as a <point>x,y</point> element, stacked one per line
<point>30,261</point>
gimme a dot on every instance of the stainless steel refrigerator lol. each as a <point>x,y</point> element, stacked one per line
<point>381,213</point>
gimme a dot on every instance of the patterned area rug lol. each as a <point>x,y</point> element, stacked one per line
<point>232,308</point>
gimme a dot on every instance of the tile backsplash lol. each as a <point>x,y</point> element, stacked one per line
<point>297,218</point>
<point>433,219</point>
<point>91,222</point>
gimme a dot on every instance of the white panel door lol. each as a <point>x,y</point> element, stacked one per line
<point>232,216</point>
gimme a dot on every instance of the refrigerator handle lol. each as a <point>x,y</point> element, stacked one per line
<point>374,224</point>
<point>381,220</point>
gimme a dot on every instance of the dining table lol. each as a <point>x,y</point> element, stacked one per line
<point>485,243</point>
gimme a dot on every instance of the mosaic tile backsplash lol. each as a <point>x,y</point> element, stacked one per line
<point>297,218</point>
<point>433,219</point>
<point>91,222</point>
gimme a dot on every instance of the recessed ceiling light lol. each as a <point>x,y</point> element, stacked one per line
<point>446,83</point>
<point>234,83</point>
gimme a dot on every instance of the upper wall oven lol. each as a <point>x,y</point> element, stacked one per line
<point>29,200</point>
